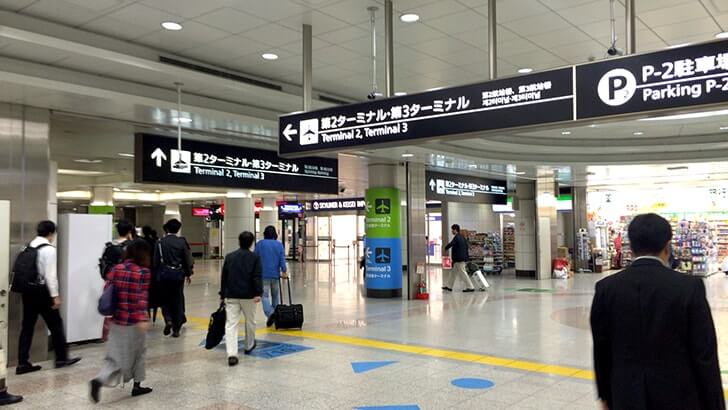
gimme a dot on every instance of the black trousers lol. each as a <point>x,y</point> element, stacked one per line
<point>173,303</point>
<point>40,303</point>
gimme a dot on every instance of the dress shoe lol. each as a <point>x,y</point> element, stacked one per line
<point>232,361</point>
<point>140,391</point>
<point>68,362</point>
<point>468,290</point>
<point>249,351</point>
<point>95,393</point>
<point>446,289</point>
<point>26,368</point>
<point>7,398</point>
<point>167,329</point>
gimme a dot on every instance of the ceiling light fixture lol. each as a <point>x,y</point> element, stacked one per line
<point>88,161</point>
<point>409,18</point>
<point>125,155</point>
<point>722,35</point>
<point>269,56</point>
<point>520,172</point>
<point>171,26</point>
<point>400,93</point>
<point>182,120</point>
<point>525,70</point>
<point>688,116</point>
<point>565,132</point>
<point>407,155</point>
<point>638,133</point>
<point>678,45</point>
<point>724,128</point>
<point>473,166</point>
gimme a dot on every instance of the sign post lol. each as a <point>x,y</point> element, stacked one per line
<point>383,243</point>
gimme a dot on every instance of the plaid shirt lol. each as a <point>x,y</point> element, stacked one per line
<point>131,285</point>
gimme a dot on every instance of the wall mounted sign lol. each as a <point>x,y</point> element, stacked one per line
<point>336,204</point>
<point>680,77</point>
<point>157,160</point>
<point>383,243</point>
<point>512,102</point>
<point>290,210</point>
<point>465,188</point>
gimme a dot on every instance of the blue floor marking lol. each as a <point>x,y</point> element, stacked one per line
<point>397,407</point>
<point>265,349</point>
<point>361,367</point>
<point>473,383</point>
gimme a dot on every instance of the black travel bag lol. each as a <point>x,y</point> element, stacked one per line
<point>216,327</point>
<point>288,316</point>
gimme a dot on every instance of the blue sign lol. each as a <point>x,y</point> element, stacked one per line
<point>363,367</point>
<point>384,263</point>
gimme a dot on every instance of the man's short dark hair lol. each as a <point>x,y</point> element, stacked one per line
<point>173,226</point>
<point>456,228</point>
<point>45,228</point>
<point>124,227</point>
<point>270,232</point>
<point>246,240</point>
<point>649,234</point>
<point>147,231</point>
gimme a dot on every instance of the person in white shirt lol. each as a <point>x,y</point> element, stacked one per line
<point>44,301</point>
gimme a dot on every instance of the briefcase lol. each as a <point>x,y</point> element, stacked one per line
<point>216,327</point>
<point>288,316</point>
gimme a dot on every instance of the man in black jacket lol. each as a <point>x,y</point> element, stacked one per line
<point>654,340</point>
<point>459,262</point>
<point>241,287</point>
<point>173,266</point>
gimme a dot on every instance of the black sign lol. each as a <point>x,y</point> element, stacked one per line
<point>680,77</point>
<point>513,102</point>
<point>330,205</point>
<point>215,165</point>
<point>465,188</point>
<point>290,210</point>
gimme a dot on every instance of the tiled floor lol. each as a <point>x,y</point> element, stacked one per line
<point>549,326</point>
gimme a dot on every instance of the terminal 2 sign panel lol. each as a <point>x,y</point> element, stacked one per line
<point>464,188</point>
<point>677,78</point>
<point>157,160</point>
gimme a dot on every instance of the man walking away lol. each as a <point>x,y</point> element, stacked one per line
<point>459,260</point>
<point>40,297</point>
<point>240,288</point>
<point>173,266</point>
<point>114,250</point>
<point>654,340</point>
<point>273,261</point>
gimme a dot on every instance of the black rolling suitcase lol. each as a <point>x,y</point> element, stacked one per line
<point>288,316</point>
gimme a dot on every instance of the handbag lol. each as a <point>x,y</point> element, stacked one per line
<point>216,327</point>
<point>169,273</point>
<point>288,316</point>
<point>107,301</point>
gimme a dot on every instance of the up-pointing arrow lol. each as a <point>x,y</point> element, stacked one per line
<point>432,184</point>
<point>159,156</point>
<point>289,132</point>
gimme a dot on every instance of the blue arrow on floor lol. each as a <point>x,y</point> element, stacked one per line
<point>361,367</point>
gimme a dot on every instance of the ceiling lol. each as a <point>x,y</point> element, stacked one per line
<point>448,46</point>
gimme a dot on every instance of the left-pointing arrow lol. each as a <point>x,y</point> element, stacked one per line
<point>289,132</point>
<point>158,155</point>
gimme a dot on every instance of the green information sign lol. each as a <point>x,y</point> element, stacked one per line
<point>383,213</point>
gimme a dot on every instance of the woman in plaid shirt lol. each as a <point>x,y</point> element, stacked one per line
<point>127,337</point>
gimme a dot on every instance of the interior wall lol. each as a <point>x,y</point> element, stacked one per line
<point>152,216</point>
<point>477,217</point>
<point>565,233</point>
<point>25,175</point>
<point>194,228</point>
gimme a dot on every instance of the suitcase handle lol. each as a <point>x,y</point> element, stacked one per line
<point>280,287</point>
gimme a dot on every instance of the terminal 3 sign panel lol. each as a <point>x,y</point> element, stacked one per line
<point>157,160</point>
<point>464,188</point>
<point>678,78</point>
<point>512,102</point>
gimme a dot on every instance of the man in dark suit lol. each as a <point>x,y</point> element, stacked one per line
<point>654,340</point>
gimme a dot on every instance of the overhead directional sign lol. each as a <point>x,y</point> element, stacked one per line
<point>465,188</point>
<point>680,77</point>
<point>158,160</point>
<point>512,102</point>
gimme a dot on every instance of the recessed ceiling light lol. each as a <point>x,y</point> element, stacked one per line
<point>722,35</point>
<point>88,161</point>
<point>724,128</point>
<point>525,70</point>
<point>678,45</point>
<point>520,172</point>
<point>171,26</point>
<point>183,120</point>
<point>638,133</point>
<point>592,126</point>
<point>269,56</point>
<point>473,166</point>
<point>407,155</point>
<point>565,132</point>
<point>409,18</point>
<point>400,93</point>
<point>126,155</point>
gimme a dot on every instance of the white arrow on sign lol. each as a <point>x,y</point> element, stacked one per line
<point>369,253</point>
<point>289,132</point>
<point>432,184</point>
<point>368,206</point>
<point>159,156</point>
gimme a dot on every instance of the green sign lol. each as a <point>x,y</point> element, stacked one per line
<point>383,213</point>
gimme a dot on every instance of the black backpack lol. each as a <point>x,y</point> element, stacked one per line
<point>25,270</point>
<point>111,257</point>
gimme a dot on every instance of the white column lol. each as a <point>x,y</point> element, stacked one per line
<point>171,211</point>
<point>53,191</point>
<point>269,216</point>
<point>102,196</point>
<point>239,217</point>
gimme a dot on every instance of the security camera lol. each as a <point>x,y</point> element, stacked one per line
<point>342,189</point>
<point>372,96</point>
<point>614,51</point>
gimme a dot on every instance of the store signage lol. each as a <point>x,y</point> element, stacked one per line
<point>202,212</point>
<point>513,102</point>
<point>331,205</point>
<point>465,188</point>
<point>215,165</point>
<point>290,210</point>
<point>676,78</point>
<point>383,243</point>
